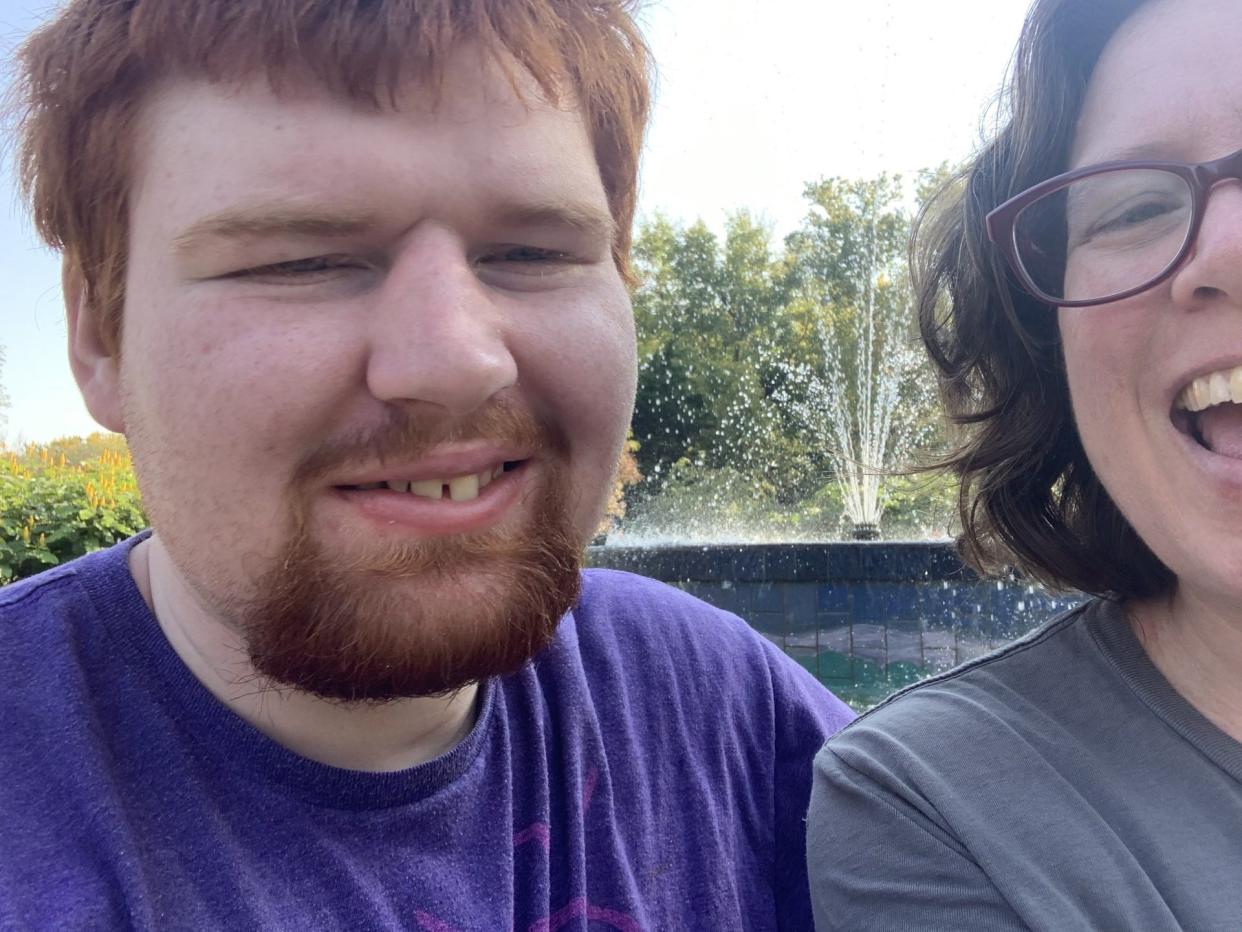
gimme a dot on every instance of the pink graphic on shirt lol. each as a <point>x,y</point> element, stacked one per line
<point>588,789</point>
<point>431,924</point>
<point>540,831</point>
<point>580,907</point>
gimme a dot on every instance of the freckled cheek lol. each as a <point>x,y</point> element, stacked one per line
<point>1108,363</point>
<point>591,371</point>
<point>583,379</point>
<point>1077,369</point>
<point>251,393</point>
<point>1089,404</point>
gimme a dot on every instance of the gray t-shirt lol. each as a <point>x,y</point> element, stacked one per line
<point>1060,783</point>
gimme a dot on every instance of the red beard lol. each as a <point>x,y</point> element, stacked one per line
<point>362,632</point>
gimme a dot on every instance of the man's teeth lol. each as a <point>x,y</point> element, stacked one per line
<point>1213,389</point>
<point>457,488</point>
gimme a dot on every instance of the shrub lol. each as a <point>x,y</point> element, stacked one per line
<point>64,499</point>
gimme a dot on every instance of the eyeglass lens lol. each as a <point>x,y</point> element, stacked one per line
<point>1104,234</point>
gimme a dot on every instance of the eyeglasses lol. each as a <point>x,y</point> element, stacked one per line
<point>1106,232</point>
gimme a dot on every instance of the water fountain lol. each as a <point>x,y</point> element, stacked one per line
<point>864,615</point>
<point>863,413</point>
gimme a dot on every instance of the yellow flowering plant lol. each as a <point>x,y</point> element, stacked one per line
<point>64,499</point>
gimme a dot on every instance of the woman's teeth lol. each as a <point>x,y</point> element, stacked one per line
<point>1213,389</point>
<point>457,488</point>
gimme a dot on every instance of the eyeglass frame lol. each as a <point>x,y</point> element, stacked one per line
<point>1200,177</point>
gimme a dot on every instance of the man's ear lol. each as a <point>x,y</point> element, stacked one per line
<point>96,368</point>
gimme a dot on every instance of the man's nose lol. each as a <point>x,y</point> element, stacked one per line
<point>438,335</point>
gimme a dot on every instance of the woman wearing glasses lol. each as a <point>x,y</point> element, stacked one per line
<point>1082,299</point>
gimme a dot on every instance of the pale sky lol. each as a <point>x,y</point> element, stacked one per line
<point>755,98</point>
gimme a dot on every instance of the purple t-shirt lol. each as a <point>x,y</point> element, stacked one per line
<point>649,770</point>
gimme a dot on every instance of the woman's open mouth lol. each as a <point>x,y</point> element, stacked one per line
<point>1209,410</point>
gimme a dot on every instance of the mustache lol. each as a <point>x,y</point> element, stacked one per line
<point>406,435</point>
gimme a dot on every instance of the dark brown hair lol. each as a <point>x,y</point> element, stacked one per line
<point>84,76</point>
<point>1029,499</point>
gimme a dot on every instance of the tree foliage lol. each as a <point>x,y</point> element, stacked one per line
<point>713,340</point>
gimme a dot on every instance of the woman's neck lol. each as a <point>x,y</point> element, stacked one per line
<point>1196,643</point>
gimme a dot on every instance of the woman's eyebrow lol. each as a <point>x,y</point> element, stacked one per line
<point>1149,151</point>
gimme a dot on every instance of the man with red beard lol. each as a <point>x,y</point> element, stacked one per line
<point>351,278</point>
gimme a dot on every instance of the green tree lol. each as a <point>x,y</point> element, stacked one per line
<point>711,327</point>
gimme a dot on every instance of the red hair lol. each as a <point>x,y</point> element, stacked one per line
<point>84,75</point>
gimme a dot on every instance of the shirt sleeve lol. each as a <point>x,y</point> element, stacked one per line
<point>876,862</point>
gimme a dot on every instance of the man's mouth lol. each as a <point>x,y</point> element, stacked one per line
<point>1209,410</point>
<point>463,488</point>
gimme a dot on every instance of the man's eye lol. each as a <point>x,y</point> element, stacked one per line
<point>298,269</point>
<point>525,255</point>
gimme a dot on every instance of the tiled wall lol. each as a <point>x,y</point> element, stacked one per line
<point>864,618</point>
